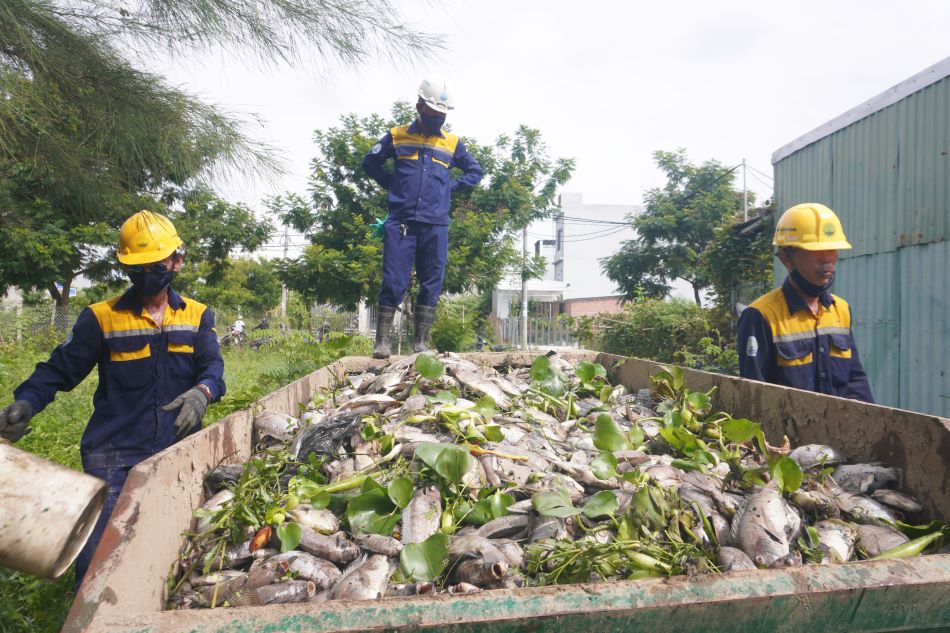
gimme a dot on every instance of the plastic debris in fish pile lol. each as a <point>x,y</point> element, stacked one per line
<point>438,475</point>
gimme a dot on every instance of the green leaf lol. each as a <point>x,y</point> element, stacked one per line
<point>493,433</point>
<point>400,491</point>
<point>554,503</point>
<point>608,436</point>
<point>586,371</point>
<point>486,407</point>
<point>429,366</point>
<point>491,507</point>
<point>425,561</point>
<point>450,461</point>
<point>604,466</point>
<point>289,535</point>
<point>541,368</point>
<point>787,474</point>
<point>372,512</point>
<point>636,436</point>
<point>444,397</point>
<point>740,430</point>
<point>698,401</point>
<point>602,504</point>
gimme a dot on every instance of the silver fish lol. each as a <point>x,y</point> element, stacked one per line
<point>322,573</point>
<point>287,592</point>
<point>380,544</point>
<point>474,546</point>
<point>767,527</point>
<point>279,426</point>
<point>365,579</point>
<point>478,572</point>
<point>422,517</point>
<point>334,547</point>
<point>265,571</point>
<point>733,559</point>
<point>863,509</point>
<point>816,502</point>
<point>877,539</point>
<point>462,588</point>
<point>837,539</point>
<point>864,478</point>
<point>317,519</point>
<point>897,499</point>
<point>509,526</point>
<point>476,382</point>
<point>811,455</point>
<point>370,403</point>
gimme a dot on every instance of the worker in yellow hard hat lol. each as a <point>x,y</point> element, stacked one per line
<point>159,366</point>
<point>800,335</point>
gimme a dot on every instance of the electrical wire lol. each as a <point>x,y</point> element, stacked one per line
<point>760,172</point>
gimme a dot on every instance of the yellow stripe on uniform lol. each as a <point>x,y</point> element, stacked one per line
<point>444,146</point>
<point>788,329</point>
<point>128,334</point>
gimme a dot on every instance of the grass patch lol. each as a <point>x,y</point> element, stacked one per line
<point>32,604</point>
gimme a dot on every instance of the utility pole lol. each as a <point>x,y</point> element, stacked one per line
<point>745,195</point>
<point>524,288</point>
<point>283,286</point>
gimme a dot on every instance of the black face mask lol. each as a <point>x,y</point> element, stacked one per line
<point>152,281</point>
<point>808,287</point>
<point>432,122</point>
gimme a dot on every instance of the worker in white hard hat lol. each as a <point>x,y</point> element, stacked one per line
<point>800,335</point>
<point>416,231</point>
<point>159,366</point>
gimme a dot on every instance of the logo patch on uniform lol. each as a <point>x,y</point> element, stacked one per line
<point>828,229</point>
<point>751,346</point>
<point>376,148</point>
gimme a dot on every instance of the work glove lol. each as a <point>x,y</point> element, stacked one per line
<point>13,420</point>
<point>377,226</point>
<point>193,404</point>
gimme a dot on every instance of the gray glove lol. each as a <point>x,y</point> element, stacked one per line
<point>13,420</point>
<point>193,404</point>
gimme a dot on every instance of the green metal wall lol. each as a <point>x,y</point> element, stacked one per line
<point>887,175</point>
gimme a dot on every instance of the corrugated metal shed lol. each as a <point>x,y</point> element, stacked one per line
<point>884,167</point>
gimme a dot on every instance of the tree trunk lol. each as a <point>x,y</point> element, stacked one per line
<point>696,295</point>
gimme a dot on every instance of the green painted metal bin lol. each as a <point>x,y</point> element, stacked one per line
<point>125,588</point>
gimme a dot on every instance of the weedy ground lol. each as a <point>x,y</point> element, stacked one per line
<point>40,606</point>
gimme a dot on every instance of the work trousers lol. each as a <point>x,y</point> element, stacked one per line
<point>114,479</point>
<point>426,246</point>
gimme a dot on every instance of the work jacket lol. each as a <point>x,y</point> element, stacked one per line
<point>141,368</point>
<point>782,342</point>
<point>420,185</point>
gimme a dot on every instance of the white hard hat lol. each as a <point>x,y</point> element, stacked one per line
<point>436,94</point>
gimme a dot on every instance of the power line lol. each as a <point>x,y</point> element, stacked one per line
<point>760,172</point>
<point>762,182</point>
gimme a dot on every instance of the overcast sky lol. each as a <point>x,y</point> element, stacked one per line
<point>607,83</point>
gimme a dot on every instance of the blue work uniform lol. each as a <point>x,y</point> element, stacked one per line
<point>141,368</point>
<point>782,342</point>
<point>420,189</point>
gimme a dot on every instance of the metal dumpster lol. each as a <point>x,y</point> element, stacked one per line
<point>125,586</point>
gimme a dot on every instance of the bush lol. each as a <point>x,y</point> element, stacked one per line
<point>653,328</point>
<point>456,325</point>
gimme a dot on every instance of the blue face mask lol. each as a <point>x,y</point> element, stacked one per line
<point>808,287</point>
<point>151,281</point>
<point>432,122</point>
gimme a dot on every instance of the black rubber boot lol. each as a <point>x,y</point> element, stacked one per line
<point>424,316</point>
<point>384,326</point>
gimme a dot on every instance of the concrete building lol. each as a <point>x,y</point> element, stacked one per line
<point>884,167</point>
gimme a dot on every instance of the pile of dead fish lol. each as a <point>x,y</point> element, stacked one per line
<point>393,483</point>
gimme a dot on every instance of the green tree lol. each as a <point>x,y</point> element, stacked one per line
<point>242,284</point>
<point>342,263</point>
<point>677,228</point>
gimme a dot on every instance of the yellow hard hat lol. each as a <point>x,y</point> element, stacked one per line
<point>146,238</point>
<point>812,227</point>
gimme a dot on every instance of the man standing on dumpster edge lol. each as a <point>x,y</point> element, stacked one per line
<point>159,366</point>
<point>416,231</point>
<point>800,335</point>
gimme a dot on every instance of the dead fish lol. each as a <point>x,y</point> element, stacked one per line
<point>203,524</point>
<point>463,588</point>
<point>474,381</point>
<point>864,478</point>
<point>334,547</point>
<point>412,589</point>
<point>317,519</point>
<point>216,578</point>
<point>811,455</point>
<point>219,593</point>
<point>546,528</point>
<point>877,539</point>
<point>265,571</point>
<point>279,426</point>
<point>478,572</point>
<point>474,546</point>
<point>897,499</point>
<point>513,553</point>
<point>509,526</point>
<point>767,527</point>
<point>370,403</point>
<point>815,502</point>
<point>380,544</point>
<point>287,592</point>
<point>837,539</point>
<point>220,476</point>
<point>322,573</point>
<point>863,509</point>
<point>421,518</point>
<point>235,555</point>
<point>733,559</point>
<point>365,579</point>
